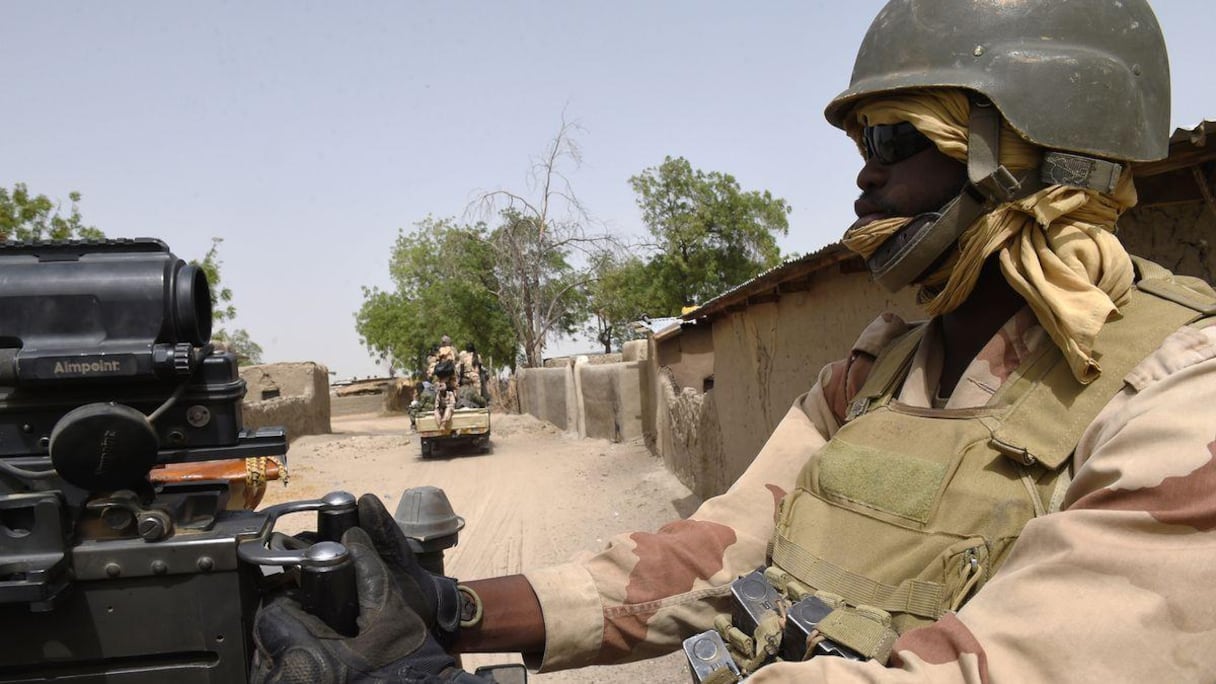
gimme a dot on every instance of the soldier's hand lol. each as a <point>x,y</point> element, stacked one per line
<point>393,643</point>
<point>434,597</point>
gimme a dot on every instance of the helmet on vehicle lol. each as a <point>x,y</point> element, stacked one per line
<point>1086,76</point>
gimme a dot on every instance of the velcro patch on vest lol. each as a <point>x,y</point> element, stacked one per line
<point>864,629</point>
<point>886,481</point>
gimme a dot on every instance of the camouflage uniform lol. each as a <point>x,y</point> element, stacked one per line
<point>1115,586</point>
<point>463,360</point>
<point>1111,580</point>
<point>468,370</point>
<point>468,367</point>
<point>444,353</point>
<point>445,387</point>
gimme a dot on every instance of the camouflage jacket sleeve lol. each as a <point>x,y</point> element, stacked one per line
<point>1117,586</point>
<point>646,592</point>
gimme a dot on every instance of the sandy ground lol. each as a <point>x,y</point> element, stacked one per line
<point>539,497</point>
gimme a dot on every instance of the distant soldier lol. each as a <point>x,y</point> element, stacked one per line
<point>415,406</point>
<point>443,372</point>
<point>471,393</point>
<point>446,350</point>
<point>431,358</point>
<point>445,403</point>
<point>444,378</point>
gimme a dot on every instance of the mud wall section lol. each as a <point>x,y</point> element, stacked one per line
<point>599,397</point>
<point>292,395</point>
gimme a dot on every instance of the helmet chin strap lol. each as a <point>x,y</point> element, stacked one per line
<point>918,245</point>
<point>907,255</point>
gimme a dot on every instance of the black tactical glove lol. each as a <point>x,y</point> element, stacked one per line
<point>434,597</point>
<point>393,644</point>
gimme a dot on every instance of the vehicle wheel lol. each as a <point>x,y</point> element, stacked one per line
<point>428,449</point>
<point>484,446</point>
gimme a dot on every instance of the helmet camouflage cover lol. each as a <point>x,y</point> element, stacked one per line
<point>1085,76</point>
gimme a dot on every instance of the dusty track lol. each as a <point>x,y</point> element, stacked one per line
<point>540,497</point>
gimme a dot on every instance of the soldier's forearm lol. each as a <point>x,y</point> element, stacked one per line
<point>511,620</point>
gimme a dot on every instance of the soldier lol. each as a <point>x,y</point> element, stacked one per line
<point>443,369</point>
<point>472,391</point>
<point>444,380</point>
<point>432,358</point>
<point>1019,489</point>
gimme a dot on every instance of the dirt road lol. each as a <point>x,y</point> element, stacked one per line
<point>538,498</point>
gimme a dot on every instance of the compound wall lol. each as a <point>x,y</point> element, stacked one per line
<point>690,356</point>
<point>687,435</point>
<point>609,400</point>
<point>546,393</point>
<point>593,396</point>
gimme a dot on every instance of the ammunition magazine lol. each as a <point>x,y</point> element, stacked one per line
<point>710,658</point>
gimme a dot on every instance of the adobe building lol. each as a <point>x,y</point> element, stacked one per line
<point>292,395</point>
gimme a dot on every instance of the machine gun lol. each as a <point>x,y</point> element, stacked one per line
<point>106,373</point>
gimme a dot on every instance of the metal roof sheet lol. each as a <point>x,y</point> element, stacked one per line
<point>790,269</point>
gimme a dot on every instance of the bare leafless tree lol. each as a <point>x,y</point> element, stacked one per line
<point>537,235</point>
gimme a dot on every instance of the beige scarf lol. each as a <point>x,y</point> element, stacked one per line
<point>1056,247</point>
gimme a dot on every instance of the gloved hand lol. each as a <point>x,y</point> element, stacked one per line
<point>433,597</point>
<point>392,645</point>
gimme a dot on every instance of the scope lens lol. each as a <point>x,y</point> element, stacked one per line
<point>192,305</point>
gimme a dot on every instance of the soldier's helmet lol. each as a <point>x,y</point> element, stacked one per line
<point>445,341</point>
<point>1083,76</point>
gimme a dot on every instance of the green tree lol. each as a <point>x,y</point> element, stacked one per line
<point>539,235</point>
<point>443,284</point>
<point>248,352</point>
<point>710,235</point>
<point>24,216</point>
<point>619,294</point>
<point>223,310</point>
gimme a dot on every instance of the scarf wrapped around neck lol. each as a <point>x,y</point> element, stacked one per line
<point>1056,247</point>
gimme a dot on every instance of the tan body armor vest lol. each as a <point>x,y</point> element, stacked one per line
<point>911,510</point>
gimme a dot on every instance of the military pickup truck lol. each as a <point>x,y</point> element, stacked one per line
<point>468,427</point>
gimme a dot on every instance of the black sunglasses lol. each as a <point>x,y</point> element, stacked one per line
<point>893,143</point>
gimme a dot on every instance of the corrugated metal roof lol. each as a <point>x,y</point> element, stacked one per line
<point>1188,146</point>
<point>675,327</point>
<point>657,324</point>
<point>1195,136</point>
<point>791,269</point>
<point>658,328</point>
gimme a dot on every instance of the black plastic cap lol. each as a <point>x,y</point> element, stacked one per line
<point>103,447</point>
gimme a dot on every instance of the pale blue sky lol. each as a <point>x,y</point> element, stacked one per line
<point>305,134</point>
